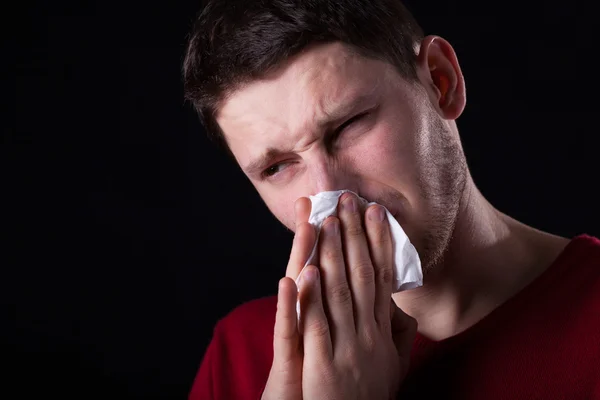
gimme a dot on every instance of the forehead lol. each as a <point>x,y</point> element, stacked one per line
<point>283,110</point>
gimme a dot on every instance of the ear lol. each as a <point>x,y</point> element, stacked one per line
<point>440,74</point>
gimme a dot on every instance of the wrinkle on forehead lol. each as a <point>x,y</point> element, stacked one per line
<point>332,77</point>
<point>282,110</point>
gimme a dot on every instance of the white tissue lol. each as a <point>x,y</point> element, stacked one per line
<point>407,264</point>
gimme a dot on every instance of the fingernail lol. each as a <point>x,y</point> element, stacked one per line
<point>349,204</point>
<point>332,227</point>
<point>377,214</point>
<point>310,275</point>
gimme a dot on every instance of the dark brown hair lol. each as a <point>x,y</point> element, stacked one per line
<point>233,42</point>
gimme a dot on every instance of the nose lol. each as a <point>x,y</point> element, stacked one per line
<point>327,174</point>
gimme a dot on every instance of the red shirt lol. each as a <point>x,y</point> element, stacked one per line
<point>543,343</point>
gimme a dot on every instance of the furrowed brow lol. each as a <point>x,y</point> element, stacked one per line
<point>256,166</point>
<point>331,114</point>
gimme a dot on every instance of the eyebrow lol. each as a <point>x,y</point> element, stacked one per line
<point>332,114</point>
<point>343,109</point>
<point>256,166</point>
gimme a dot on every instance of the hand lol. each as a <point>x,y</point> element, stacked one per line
<point>285,377</point>
<point>351,346</point>
<point>353,349</point>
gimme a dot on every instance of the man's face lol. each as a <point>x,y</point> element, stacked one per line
<point>330,120</point>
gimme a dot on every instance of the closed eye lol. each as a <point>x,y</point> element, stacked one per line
<point>350,122</point>
<point>276,168</point>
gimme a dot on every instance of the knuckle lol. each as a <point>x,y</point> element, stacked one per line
<point>340,294</point>
<point>328,374</point>
<point>380,237</point>
<point>283,334</point>
<point>283,367</point>
<point>318,328</point>
<point>364,273</point>
<point>354,229</point>
<point>385,274</point>
<point>369,338</point>
<point>332,254</point>
<point>348,355</point>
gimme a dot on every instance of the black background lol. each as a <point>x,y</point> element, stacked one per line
<point>127,234</point>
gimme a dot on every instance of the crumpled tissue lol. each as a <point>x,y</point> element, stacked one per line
<point>407,264</point>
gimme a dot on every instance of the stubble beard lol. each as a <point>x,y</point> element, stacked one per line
<point>442,183</point>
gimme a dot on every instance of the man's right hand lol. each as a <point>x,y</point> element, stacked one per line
<point>285,378</point>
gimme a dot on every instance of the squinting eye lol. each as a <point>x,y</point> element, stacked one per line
<point>350,122</point>
<point>272,170</point>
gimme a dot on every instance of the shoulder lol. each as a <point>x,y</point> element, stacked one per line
<point>251,311</point>
<point>238,359</point>
<point>587,243</point>
<point>577,268</point>
<point>582,251</point>
<point>249,322</point>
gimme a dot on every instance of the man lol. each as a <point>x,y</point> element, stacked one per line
<point>313,96</point>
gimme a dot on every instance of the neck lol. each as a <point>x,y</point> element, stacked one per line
<point>489,259</point>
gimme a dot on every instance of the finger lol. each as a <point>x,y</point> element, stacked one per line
<point>313,321</point>
<point>380,246</point>
<point>302,208</point>
<point>361,275</point>
<point>404,329</point>
<point>286,372</point>
<point>304,240</point>
<point>337,295</point>
<point>286,338</point>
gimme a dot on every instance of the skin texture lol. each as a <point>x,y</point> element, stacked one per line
<point>402,154</point>
<point>327,120</point>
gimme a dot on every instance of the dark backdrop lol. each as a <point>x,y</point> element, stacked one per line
<point>127,235</point>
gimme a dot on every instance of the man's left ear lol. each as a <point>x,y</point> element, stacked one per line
<point>439,72</point>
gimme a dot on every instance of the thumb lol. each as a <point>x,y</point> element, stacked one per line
<point>404,329</point>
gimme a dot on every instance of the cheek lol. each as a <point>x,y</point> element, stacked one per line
<point>387,156</point>
<point>281,206</point>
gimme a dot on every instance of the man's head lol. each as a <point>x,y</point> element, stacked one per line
<point>310,96</point>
